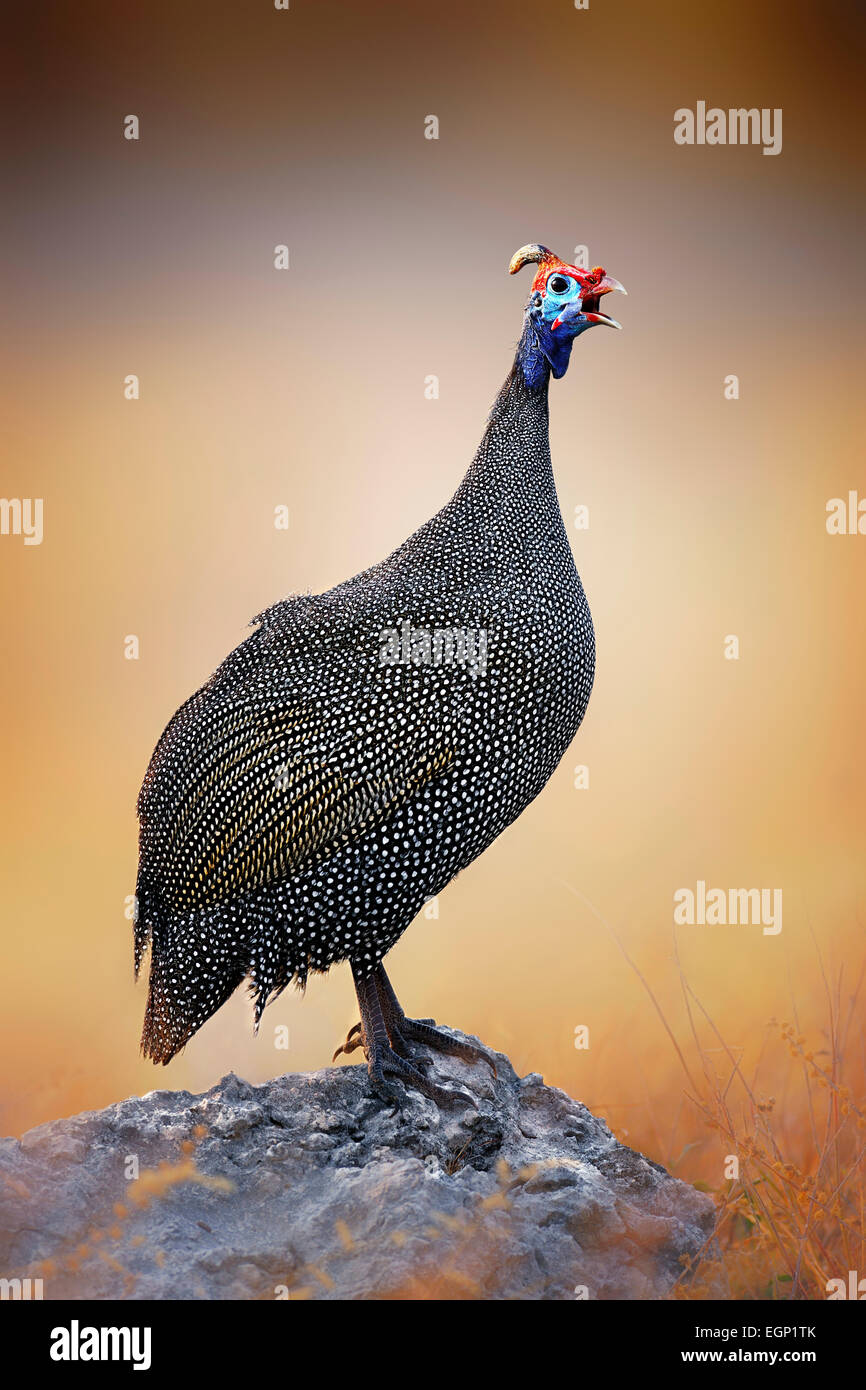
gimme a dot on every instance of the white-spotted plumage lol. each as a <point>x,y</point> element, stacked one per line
<point>302,807</point>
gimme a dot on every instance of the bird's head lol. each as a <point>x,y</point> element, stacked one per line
<point>563,302</point>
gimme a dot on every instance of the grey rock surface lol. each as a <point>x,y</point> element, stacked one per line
<point>311,1186</point>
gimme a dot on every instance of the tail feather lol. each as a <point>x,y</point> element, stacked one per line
<point>196,964</point>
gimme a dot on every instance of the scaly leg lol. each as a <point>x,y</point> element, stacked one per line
<point>383,1059</point>
<point>378,1001</point>
<point>422,1030</point>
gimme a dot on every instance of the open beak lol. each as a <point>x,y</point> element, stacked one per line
<point>589,305</point>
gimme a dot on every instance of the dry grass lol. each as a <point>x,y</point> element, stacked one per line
<point>792,1139</point>
<point>778,1140</point>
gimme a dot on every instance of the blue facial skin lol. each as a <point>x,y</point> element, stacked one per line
<point>542,348</point>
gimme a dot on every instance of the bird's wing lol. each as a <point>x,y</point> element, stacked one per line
<point>244,789</point>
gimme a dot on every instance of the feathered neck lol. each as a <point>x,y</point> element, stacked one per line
<point>514,453</point>
<point>539,354</point>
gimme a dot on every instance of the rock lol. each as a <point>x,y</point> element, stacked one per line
<point>311,1186</point>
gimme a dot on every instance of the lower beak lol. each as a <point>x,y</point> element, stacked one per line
<point>603,318</point>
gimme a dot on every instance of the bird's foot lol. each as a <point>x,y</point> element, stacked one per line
<point>422,1030</point>
<point>385,1062</point>
<point>387,1035</point>
<point>399,1044</point>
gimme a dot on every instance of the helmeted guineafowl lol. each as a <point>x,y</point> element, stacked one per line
<point>363,746</point>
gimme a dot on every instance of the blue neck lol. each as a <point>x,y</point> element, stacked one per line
<point>539,353</point>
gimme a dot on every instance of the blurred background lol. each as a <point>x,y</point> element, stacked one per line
<point>305,388</point>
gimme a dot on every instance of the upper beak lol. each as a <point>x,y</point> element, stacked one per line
<point>610,286</point>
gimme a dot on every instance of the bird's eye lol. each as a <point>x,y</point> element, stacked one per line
<point>558,284</point>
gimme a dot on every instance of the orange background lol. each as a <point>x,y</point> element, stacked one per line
<point>707,516</point>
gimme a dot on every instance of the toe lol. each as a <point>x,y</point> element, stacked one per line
<point>389,1063</point>
<point>419,1030</point>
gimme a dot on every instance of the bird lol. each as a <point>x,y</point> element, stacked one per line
<point>363,746</point>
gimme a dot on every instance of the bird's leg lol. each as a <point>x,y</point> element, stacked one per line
<point>382,1059</point>
<point>422,1030</point>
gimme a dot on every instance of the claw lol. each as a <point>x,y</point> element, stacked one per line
<point>354,1040</point>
